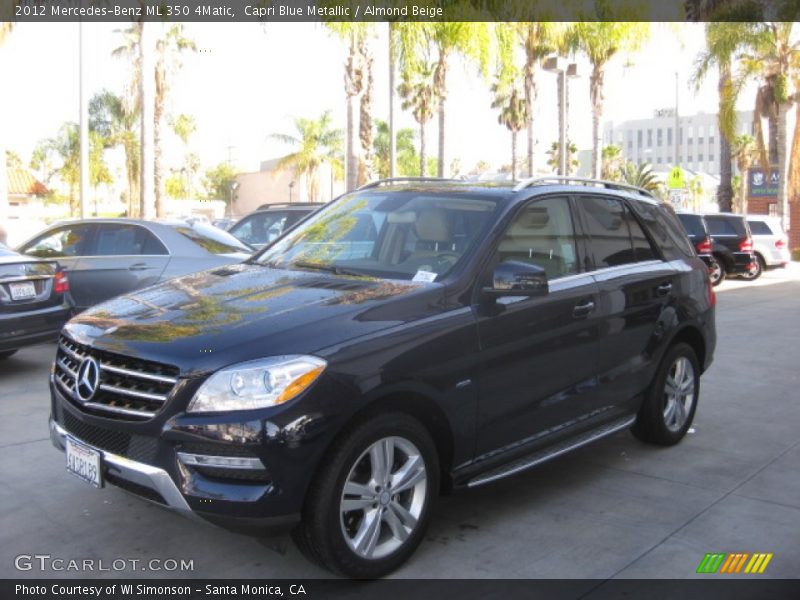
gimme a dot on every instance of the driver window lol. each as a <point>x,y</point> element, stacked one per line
<point>542,233</point>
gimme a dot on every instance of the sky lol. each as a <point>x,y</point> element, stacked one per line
<point>248,81</point>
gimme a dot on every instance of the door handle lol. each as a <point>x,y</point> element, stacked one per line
<point>139,267</point>
<point>582,309</point>
<point>664,289</point>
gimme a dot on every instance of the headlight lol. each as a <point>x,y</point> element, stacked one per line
<point>257,383</point>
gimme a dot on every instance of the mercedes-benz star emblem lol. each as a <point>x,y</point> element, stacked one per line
<point>88,379</point>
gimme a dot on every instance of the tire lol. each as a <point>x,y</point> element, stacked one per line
<point>756,272</point>
<point>655,423</point>
<point>329,535</point>
<point>716,272</point>
<point>7,353</point>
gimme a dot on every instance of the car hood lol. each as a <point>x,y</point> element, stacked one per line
<point>207,320</point>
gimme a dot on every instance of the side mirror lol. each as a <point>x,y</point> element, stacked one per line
<point>514,278</point>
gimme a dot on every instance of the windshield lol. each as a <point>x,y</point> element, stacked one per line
<point>399,235</point>
<point>211,238</point>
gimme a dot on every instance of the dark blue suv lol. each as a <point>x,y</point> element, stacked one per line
<point>412,336</point>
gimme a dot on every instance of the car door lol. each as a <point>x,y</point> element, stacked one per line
<point>635,287</point>
<point>67,244</point>
<point>537,354</point>
<point>122,257</point>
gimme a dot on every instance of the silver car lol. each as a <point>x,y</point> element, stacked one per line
<point>770,243</point>
<point>109,257</point>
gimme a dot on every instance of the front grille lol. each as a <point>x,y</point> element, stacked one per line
<point>129,388</point>
<point>136,447</point>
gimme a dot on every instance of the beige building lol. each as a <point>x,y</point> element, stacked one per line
<point>271,186</point>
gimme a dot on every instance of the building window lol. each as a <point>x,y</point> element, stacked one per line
<point>699,158</point>
<point>659,136</point>
<point>649,138</point>
<point>630,144</point>
<point>691,159</point>
<point>639,138</point>
<point>711,157</point>
<point>658,160</point>
<point>680,135</point>
<point>669,136</point>
<point>700,140</point>
<point>691,141</point>
<point>711,140</point>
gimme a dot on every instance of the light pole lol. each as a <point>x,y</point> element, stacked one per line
<point>558,65</point>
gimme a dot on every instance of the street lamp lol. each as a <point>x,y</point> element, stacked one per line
<point>291,187</point>
<point>558,65</point>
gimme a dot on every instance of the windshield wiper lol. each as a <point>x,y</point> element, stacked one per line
<point>327,268</point>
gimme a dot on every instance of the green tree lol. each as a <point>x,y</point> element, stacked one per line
<point>722,42</point>
<point>744,152</point>
<point>118,125</point>
<point>572,161</point>
<point>169,48</point>
<point>510,101</point>
<point>406,154</point>
<point>771,56</point>
<point>313,142</point>
<point>601,41</point>
<point>613,163</point>
<point>218,181</point>
<point>184,126</point>
<point>6,25</point>
<point>13,160</point>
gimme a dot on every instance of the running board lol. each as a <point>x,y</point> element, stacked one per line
<point>531,460</point>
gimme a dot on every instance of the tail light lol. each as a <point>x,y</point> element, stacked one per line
<point>704,247</point>
<point>746,245</point>
<point>781,243</point>
<point>61,283</point>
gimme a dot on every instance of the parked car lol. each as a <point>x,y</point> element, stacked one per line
<point>697,232</point>
<point>225,223</point>
<point>732,245</point>
<point>109,257</point>
<point>34,301</point>
<point>268,223</point>
<point>770,242</point>
<point>489,328</point>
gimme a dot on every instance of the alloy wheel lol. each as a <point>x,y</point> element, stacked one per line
<point>679,391</point>
<point>383,497</point>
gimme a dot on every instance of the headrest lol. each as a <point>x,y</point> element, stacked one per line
<point>432,226</point>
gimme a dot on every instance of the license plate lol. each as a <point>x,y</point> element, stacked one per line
<point>84,462</point>
<point>22,291</point>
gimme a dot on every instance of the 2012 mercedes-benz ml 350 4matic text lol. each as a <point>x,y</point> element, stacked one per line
<point>410,337</point>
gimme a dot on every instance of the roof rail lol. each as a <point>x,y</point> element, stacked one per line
<point>379,182</point>
<point>611,185</point>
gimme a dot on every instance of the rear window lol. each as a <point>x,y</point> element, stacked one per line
<point>693,224</point>
<point>726,226</point>
<point>665,229</point>
<point>211,238</point>
<point>759,228</point>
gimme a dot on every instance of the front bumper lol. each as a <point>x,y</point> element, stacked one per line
<point>139,474</point>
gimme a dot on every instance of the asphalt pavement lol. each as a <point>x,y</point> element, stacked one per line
<point>617,508</point>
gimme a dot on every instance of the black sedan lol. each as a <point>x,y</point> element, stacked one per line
<point>34,301</point>
<point>109,257</point>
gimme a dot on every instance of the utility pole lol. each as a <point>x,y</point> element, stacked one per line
<point>677,124</point>
<point>84,120</point>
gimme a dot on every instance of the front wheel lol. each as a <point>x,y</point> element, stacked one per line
<point>671,401</point>
<point>370,506</point>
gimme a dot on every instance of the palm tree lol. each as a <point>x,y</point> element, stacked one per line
<point>641,176</point>
<point>313,145</point>
<point>554,153</point>
<point>418,93</point>
<point>168,50</point>
<point>613,163</point>
<point>354,34</point>
<point>772,56</point>
<point>743,150</point>
<point>601,41</point>
<point>471,40</point>
<point>407,161</point>
<point>109,116</point>
<point>722,41</point>
<point>511,103</point>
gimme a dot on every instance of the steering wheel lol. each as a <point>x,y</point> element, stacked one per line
<point>448,258</point>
